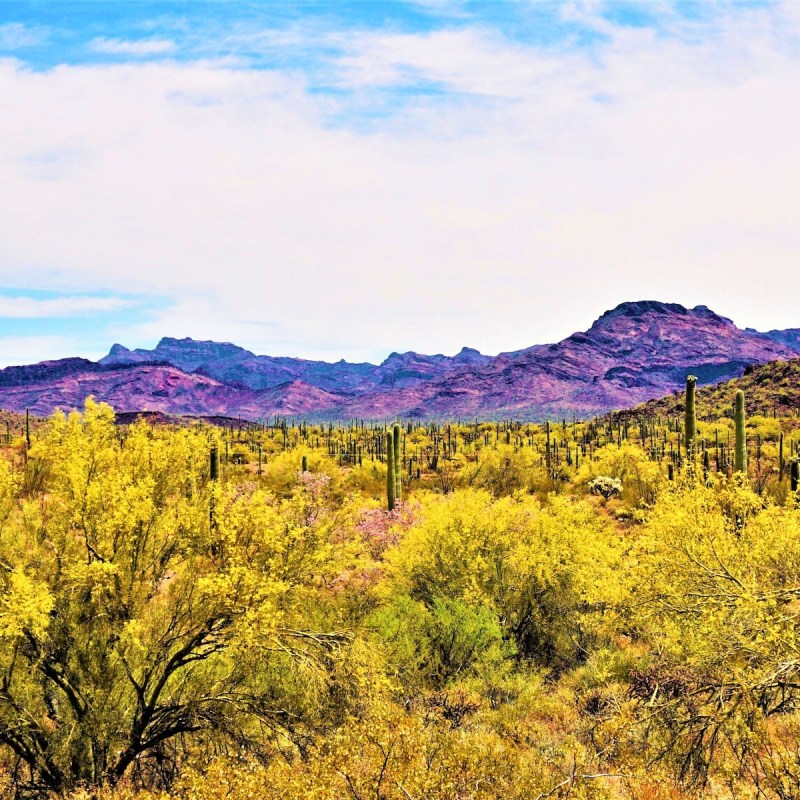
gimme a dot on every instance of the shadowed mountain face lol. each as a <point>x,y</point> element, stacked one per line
<point>633,353</point>
<point>772,388</point>
<point>790,337</point>
<point>232,364</point>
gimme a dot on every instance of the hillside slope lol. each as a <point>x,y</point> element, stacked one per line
<point>769,389</point>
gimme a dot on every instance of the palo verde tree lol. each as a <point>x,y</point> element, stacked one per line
<point>718,608</point>
<point>129,623</point>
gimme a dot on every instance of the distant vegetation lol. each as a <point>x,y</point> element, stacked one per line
<point>599,609</point>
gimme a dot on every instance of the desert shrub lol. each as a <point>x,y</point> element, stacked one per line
<point>716,577</point>
<point>502,470</point>
<point>431,646</point>
<point>546,571</point>
<point>641,479</point>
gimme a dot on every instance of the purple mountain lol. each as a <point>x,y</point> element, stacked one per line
<point>635,352</point>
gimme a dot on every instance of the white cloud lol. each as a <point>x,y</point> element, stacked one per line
<point>15,36</point>
<point>131,47</point>
<point>549,188</point>
<point>58,307</point>
<point>473,61</point>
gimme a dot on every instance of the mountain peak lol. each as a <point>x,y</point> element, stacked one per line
<point>636,308</point>
<point>469,355</point>
<point>639,308</point>
<point>172,341</point>
<point>202,349</point>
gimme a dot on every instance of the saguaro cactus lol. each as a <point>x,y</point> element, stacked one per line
<point>214,474</point>
<point>547,458</point>
<point>391,485</point>
<point>304,464</point>
<point>740,462</point>
<point>214,464</point>
<point>690,426</point>
<point>398,474</point>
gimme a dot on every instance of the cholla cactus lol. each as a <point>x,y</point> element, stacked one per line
<point>606,486</point>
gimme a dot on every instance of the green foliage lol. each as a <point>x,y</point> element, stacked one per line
<point>430,646</point>
<point>545,571</point>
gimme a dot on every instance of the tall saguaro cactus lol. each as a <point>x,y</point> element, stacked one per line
<point>398,472</point>
<point>547,457</point>
<point>214,464</point>
<point>213,469</point>
<point>391,485</point>
<point>690,427</point>
<point>740,462</point>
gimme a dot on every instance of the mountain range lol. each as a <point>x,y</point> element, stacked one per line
<point>631,354</point>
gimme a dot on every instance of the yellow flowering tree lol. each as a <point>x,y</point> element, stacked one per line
<point>130,621</point>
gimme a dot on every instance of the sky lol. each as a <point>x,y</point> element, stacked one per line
<point>343,179</point>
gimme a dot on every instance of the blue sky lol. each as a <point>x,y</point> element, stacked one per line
<point>344,179</point>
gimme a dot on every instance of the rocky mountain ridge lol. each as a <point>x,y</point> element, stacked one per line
<point>630,354</point>
<point>232,364</point>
